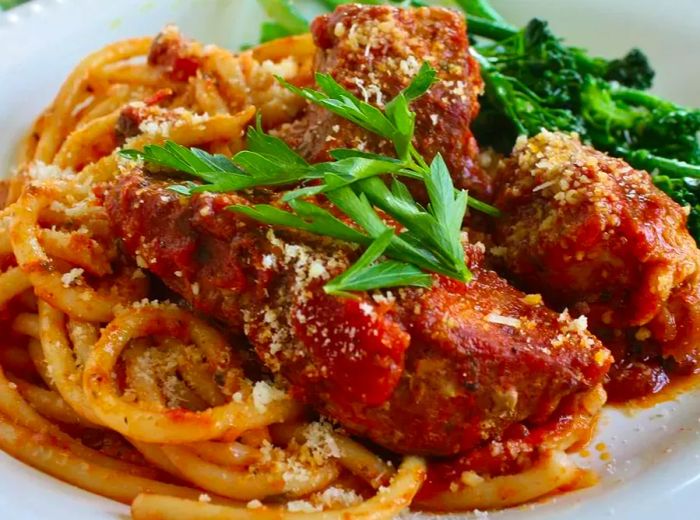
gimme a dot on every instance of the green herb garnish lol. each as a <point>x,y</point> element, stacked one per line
<point>365,275</point>
<point>431,240</point>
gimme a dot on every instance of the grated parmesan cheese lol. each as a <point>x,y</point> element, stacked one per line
<point>269,261</point>
<point>580,324</point>
<point>317,270</point>
<point>503,320</point>
<point>254,504</point>
<point>409,66</point>
<point>264,394</point>
<point>152,127</point>
<point>302,506</point>
<point>296,473</point>
<point>543,186</point>
<point>71,276</point>
<point>366,309</point>
<point>335,497</point>
<point>40,171</point>
<point>321,443</point>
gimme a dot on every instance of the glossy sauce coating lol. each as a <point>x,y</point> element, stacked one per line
<point>433,371</point>
<point>595,235</point>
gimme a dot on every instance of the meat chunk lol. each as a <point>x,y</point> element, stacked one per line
<point>433,371</point>
<point>595,235</point>
<point>178,56</point>
<point>374,51</point>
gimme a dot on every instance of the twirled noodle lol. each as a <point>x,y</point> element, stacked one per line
<point>388,502</point>
<point>49,404</point>
<point>229,454</point>
<point>152,424</point>
<point>13,282</point>
<point>80,301</point>
<point>553,470</point>
<point>245,485</point>
<point>36,355</point>
<point>59,115</point>
<point>24,417</point>
<point>43,451</point>
<point>80,145</point>
<point>64,371</point>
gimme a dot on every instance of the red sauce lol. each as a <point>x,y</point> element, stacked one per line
<point>641,377</point>
<point>184,67</point>
<point>487,460</point>
<point>635,380</point>
<point>514,452</point>
<point>182,415</point>
<point>677,385</point>
<point>366,361</point>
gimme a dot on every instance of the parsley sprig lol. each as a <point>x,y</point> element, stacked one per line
<point>364,274</point>
<point>430,240</point>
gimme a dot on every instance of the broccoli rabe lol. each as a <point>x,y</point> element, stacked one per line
<point>629,119</point>
<point>511,108</point>
<point>685,191</point>
<point>541,68</point>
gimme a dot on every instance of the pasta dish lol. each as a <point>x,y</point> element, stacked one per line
<point>305,279</point>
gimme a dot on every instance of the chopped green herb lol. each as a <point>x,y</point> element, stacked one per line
<point>365,275</point>
<point>431,241</point>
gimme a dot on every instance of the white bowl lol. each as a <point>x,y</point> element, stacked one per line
<point>655,471</point>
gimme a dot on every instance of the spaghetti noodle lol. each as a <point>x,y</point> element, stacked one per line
<point>142,401</point>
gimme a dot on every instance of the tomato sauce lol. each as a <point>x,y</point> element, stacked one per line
<point>676,386</point>
<point>514,452</point>
<point>641,377</point>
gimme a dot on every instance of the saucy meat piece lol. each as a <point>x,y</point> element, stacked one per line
<point>433,371</point>
<point>178,56</point>
<point>595,235</point>
<point>374,52</point>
